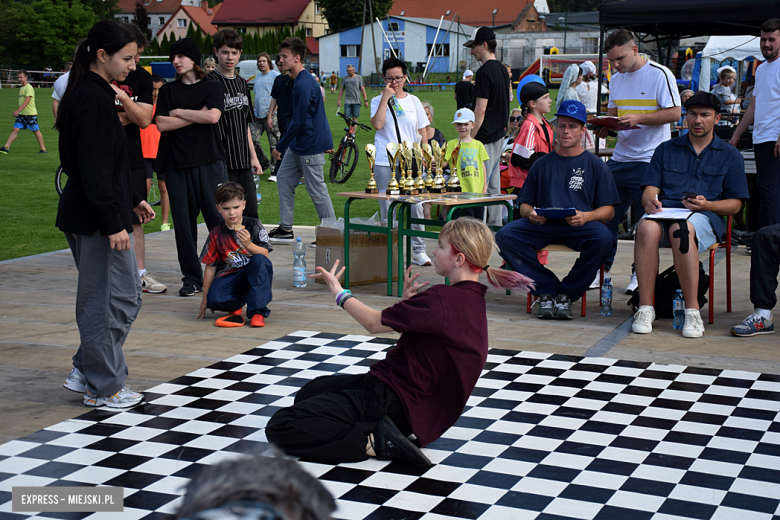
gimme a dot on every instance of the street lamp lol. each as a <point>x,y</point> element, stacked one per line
<point>494,17</point>
<point>565,27</point>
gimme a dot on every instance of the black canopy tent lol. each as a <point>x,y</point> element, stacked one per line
<point>675,19</point>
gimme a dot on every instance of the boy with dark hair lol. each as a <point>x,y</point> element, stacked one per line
<point>26,115</point>
<point>307,138</point>
<point>238,270</point>
<point>240,157</point>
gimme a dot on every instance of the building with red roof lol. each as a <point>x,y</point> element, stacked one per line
<point>469,12</point>
<point>159,11</point>
<point>253,16</point>
<point>178,23</point>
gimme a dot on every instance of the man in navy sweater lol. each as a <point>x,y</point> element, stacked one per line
<point>307,138</point>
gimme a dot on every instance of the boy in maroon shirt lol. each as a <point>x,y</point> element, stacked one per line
<point>422,385</point>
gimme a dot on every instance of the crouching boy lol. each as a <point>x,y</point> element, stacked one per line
<point>238,270</point>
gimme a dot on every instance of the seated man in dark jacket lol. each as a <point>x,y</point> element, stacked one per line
<point>703,176</point>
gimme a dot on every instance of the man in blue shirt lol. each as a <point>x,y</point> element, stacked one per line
<point>568,177</point>
<point>696,172</point>
<point>307,138</point>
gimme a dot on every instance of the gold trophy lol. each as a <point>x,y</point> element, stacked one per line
<point>408,154</point>
<point>371,156</point>
<point>418,155</point>
<point>436,165</point>
<point>393,153</point>
<point>426,151</point>
<point>453,185</point>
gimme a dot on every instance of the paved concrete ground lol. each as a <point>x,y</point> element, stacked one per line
<point>38,333</point>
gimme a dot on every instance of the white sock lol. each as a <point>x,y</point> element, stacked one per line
<point>765,313</point>
<point>141,272</point>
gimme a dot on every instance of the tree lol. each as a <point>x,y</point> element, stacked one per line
<point>208,45</point>
<point>47,32</point>
<point>9,11</point>
<point>198,36</point>
<point>142,20</point>
<point>101,8</point>
<point>165,45</point>
<point>342,14</point>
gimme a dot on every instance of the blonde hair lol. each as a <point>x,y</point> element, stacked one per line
<point>516,130</point>
<point>473,239</point>
<point>209,61</point>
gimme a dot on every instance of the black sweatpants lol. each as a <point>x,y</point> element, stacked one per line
<point>768,181</point>
<point>333,416</point>
<point>247,181</point>
<point>191,191</point>
<point>764,267</point>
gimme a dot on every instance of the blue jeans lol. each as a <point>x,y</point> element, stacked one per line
<point>250,285</point>
<point>519,240</point>
<point>352,110</point>
<point>628,179</point>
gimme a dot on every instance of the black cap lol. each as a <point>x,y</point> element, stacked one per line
<point>703,99</point>
<point>532,91</point>
<point>186,47</point>
<point>481,34</point>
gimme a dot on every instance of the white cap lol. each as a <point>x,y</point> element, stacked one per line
<point>467,74</point>
<point>464,115</point>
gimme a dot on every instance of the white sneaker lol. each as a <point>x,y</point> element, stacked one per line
<point>643,320</point>
<point>272,178</point>
<point>76,382</point>
<point>125,398</point>
<point>150,285</point>
<point>632,284</point>
<point>694,327</point>
<point>421,259</point>
<point>596,283</point>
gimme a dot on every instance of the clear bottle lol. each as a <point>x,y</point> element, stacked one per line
<point>678,309</point>
<point>606,294</point>
<point>257,189</point>
<point>299,264</point>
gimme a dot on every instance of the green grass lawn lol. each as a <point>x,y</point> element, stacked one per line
<point>28,200</point>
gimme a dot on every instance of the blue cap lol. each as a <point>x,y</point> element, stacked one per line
<point>573,109</point>
<point>528,79</point>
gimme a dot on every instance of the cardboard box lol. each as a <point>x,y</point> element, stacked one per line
<point>367,254</point>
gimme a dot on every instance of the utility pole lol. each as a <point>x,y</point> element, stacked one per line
<point>362,29</point>
<point>373,38</point>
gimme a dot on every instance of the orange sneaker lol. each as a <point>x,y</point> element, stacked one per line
<point>231,320</point>
<point>258,320</point>
<point>236,312</point>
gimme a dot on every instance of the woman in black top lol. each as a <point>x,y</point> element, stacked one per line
<point>95,213</point>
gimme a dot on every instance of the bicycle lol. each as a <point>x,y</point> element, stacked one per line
<point>344,159</point>
<point>61,178</point>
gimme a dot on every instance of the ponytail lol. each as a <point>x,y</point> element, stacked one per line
<point>109,35</point>
<point>474,240</point>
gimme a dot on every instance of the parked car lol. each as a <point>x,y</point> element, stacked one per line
<point>247,69</point>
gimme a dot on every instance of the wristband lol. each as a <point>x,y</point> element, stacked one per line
<point>344,300</point>
<point>340,296</point>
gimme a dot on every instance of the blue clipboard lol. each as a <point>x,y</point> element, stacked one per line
<point>556,213</point>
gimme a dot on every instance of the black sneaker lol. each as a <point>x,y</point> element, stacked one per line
<point>42,151</point>
<point>391,444</point>
<point>546,309</point>
<point>280,235</point>
<point>563,307</point>
<point>189,289</point>
<point>4,150</point>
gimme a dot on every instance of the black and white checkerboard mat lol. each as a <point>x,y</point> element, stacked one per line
<point>543,437</point>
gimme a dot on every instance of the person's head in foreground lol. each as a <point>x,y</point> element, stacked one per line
<point>256,488</point>
<point>229,197</point>
<point>702,113</point>
<point>228,46</point>
<point>464,122</point>
<point>185,57</point>
<point>770,39</point>
<point>622,51</point>
<point>571,124</point>
<point>535,98</point>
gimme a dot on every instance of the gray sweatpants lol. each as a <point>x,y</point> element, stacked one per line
<point>382,177</point>
<point>493,173</point>
<point>107,303</point>
<point>310,167</point>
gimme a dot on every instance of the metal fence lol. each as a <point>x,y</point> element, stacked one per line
<point>36,78</point>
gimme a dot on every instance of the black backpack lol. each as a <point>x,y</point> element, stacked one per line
<point>666,285</point>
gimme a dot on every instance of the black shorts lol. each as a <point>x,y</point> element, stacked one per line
<point>138,176</point>
<point>149,164</point>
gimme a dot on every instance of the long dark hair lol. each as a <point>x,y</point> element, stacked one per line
<point>109,35</point>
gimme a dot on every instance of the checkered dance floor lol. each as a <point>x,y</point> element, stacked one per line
<point>543,437</point>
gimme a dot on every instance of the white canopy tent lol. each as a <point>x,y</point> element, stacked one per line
<point>719,48</point>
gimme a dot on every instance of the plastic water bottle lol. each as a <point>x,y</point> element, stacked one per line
<point>678,309</point>
<point>257,189</point>
<point>299,264</point>
<point>606,295</point>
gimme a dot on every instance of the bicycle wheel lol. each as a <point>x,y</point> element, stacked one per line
<point>340,170</point>
<point>153,198</point>
<point>60,179</point>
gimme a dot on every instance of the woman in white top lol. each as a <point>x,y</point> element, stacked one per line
<point>398,116</point>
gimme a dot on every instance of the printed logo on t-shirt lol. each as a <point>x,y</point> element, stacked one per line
<point>237,101</point>
<point>128,90</point>
<point>469,167</point>
<point>237,259</point>
<point>575,182</point>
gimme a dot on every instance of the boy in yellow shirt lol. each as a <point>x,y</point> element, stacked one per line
<point>26,115</point>
<point>471,160</point>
